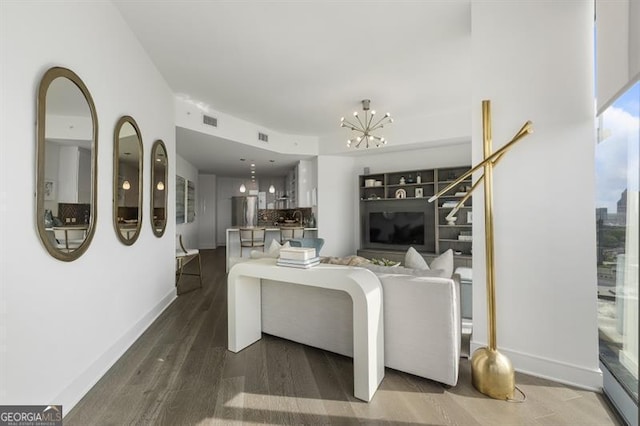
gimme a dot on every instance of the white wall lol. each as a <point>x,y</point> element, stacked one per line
<point>336,217</point>
<point>534,61</point>
<point>207,215</point>
<point>189,231</point>
<point>63,324</point>
<point>618,41</point>
<point>445,155</point>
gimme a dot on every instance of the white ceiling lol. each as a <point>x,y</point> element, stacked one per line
<point>199,149</point>
<point>297,67</point>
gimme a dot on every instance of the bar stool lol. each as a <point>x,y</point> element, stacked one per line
<point>251,237</point>
<point>290,232</point>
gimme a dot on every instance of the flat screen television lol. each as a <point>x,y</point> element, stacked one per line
<point>397,228</point>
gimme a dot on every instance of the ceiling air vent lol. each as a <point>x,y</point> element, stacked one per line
<point>263,137</point>
<point>210,121</point>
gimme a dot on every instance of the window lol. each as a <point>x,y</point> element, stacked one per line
<point>617,181</point>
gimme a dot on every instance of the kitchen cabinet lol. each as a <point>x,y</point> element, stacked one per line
<point>305,178</point>
<point>74,175</point>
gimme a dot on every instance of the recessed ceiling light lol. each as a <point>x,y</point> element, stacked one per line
<point>253,171</point>
<point>253,164</point>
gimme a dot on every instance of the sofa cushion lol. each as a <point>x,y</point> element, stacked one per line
<point>444,262</point>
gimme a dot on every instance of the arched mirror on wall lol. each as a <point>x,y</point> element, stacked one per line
<point>159,187</point>
<point>66,160</point>
<point>127,180</point>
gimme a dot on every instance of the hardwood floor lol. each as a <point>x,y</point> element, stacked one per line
<point>179,372</point>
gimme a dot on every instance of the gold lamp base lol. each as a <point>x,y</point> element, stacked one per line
<point>492,374</point>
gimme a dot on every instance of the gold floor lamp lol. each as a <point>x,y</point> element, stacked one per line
<point>491,372</point>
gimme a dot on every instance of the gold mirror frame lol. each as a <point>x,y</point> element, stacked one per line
<point>118,222</point>
<point>157,146</point>
<point>41,107</point>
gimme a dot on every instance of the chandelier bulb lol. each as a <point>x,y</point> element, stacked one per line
<point>373,112</point>
<point>341,119</point>
<point>355,113</point>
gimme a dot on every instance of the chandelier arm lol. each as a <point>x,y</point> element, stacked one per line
<point>381,120</point>
<point>349,123</point>
<point>362,126</point>
<point>369,120</point>
<point>380,123</point>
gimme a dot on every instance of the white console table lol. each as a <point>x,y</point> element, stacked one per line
<point>245,318</point>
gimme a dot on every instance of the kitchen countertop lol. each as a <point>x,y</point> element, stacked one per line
<point>270,227</point>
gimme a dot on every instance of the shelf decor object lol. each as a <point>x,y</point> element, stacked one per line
<point>491,372</point>
<point>364,129</point>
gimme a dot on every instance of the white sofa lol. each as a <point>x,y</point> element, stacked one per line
<point>422,326</point>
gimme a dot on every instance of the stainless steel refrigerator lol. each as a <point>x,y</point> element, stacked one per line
<point>244,211</point>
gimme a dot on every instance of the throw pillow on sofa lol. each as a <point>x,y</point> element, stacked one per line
<point>414,260</point>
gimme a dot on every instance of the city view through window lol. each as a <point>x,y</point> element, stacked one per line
<point>617,221</point>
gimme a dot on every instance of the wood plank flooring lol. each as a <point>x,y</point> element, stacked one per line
<point>179,372</point>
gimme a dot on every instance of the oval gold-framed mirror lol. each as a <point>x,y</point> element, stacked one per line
<point>66,164</point>
<point>127,180</point>
<point>159,188</point>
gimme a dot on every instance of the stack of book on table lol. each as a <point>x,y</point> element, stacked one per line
<point>298,257</point>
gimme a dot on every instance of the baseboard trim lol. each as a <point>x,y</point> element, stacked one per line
<point>622,403</point>
<point>73,393</point>
<point>551,369</point>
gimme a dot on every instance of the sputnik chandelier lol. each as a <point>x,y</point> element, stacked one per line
<point>363,129</point>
